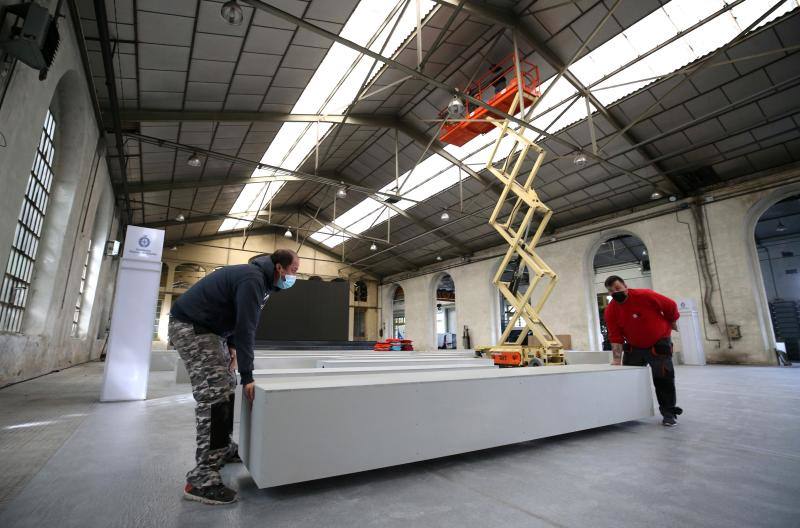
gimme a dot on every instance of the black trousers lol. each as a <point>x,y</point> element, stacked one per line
<point>659,357</point>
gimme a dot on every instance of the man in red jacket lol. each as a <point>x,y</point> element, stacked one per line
<point>641,322</point>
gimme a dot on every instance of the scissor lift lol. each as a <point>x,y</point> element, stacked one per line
<point>522,229</point>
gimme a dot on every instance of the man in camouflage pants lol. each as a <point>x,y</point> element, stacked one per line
<point>210,367</point>
<point>213,327</point>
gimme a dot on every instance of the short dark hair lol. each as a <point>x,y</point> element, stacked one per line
<point>284,257</point>
<point>612,279</point>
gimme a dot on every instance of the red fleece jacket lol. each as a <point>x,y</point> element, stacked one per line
<point>644,318</point>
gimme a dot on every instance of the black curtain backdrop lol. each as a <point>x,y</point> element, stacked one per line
<point>308,311</point>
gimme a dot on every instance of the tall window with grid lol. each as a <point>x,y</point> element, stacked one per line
<point>159,304</point>
<point>19,269</point>
<point>76,316</point>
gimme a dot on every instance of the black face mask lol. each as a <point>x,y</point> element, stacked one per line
<point>619,296</point>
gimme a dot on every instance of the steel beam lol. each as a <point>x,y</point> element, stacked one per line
<point>111,85</point>
<point>324,220</point>
<point>156,116</point>
<point>421,223</point>
<point>203,218</point>
<point>260,231</point>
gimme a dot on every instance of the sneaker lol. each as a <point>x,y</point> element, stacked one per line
<point>217,494</point>
<point>669,421</point>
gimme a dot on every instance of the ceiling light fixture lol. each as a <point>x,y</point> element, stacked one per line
<point>673,198</point>
<point>438,258</point>
<point>373,247</point>
<point>656,195</point>
<point>232,13</point>
<point>644,252</point>
<point>780,228</point>
<point>579,160</point>
<point>342,192</point>
<point>194,160</point>
<point>288,233</point>
<point>456,108</point>
<point>180,218</point>
<point>445,216</point>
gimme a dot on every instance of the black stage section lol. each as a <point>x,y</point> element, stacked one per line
<point>308,311</point>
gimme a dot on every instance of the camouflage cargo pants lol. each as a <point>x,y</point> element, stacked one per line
<point>207,360</point>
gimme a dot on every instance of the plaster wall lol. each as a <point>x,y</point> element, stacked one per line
<point>80,210</point>
<point>670,235</point>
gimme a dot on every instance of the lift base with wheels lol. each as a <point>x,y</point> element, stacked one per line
<point>522,355</point>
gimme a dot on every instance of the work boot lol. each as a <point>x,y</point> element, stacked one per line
<point>216,494</point>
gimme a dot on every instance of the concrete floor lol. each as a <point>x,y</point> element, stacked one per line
<point>67,460</point>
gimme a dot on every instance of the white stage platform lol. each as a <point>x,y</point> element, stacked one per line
<point>299,359</point>
<point>401,362</point>
<point>306,372</point>
<point>587,357</point>
<point>307,428</point>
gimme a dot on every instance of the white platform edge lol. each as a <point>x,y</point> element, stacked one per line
<point>306,429</point>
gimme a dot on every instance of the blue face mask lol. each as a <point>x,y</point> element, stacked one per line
<point>284,283</point>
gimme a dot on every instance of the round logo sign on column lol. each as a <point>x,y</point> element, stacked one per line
<point>144,241</point>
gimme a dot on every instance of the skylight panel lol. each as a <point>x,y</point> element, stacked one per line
<point>295,141</point>
<point>686,13</point>
<point>748,12</point>
<point>649,32</point>
<point>677,16</point>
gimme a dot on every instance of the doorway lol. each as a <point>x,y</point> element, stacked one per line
<point>625,256</point>
<point>777,239</point>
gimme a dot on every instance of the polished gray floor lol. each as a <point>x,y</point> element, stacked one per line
<point>66,460</point>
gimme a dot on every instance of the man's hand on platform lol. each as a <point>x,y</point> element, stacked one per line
<point>250,392</point>
<point>616,354</point>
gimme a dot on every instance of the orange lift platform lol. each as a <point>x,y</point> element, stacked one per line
<point>498,88</point>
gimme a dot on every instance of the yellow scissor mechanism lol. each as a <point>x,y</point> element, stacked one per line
<point>521,229</point>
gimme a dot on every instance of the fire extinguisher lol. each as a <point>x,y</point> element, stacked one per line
<point>465,338</point>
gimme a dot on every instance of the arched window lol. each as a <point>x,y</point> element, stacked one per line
<point>28,232</point>
<point>625,256</point>
<point>777,239</point>
<point>445,304</point>
<point>360,291</point>
<point>399,313</point>
<point>187,274</point>
<point>164,274</point>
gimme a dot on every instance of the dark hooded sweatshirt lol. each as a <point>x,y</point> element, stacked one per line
<point>228,303</point>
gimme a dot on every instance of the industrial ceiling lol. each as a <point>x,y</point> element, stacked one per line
<point>187,83</point>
